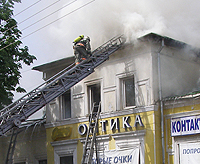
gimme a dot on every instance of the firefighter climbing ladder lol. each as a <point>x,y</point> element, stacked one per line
<point>91,135</point>
<point>17,112</point>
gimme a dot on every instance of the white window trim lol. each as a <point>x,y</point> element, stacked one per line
<point>182,140</point>
<point>131,139</point>
<point>102,142</point>
<point>65,148</point>
<point>120,100</point>
<point>137,94</point>
<point>87,84</point>
<point>62,108</point>
<point>125,140</point>
<point>179,139</point>
<point>40,157</point>
<point>119,78</point>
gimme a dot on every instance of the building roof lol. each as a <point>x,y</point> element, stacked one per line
<point>151,37</point>
<point>193,94</point>
<point>169,42</point>
<point>54,64</point>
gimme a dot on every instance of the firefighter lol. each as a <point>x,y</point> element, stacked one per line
<point>82,49</point>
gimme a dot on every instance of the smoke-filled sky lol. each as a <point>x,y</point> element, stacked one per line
<point>49,27</point>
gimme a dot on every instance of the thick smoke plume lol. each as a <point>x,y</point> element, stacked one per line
<point>101,20</point>
<point>104,19</point>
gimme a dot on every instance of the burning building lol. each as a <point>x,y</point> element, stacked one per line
<point>135,120</point>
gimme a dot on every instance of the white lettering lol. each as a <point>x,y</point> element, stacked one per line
<point>114,123</point>
<point>103,125</point>
<point>125,122</point>
<point>82,129</point>
<point>138,121</point>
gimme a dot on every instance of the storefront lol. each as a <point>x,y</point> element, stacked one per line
<point>120,139</point>
<point>183,131</point>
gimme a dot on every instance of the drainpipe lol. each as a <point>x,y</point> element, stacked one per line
<point>161,102</point>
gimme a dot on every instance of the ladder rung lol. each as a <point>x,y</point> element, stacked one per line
<point>91,136</point>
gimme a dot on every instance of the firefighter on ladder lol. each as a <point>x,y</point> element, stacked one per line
<point>82,49</point>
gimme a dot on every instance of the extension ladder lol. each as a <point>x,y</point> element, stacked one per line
<point>17,112</point>
<point>90,141</point>
<point>11,148</point>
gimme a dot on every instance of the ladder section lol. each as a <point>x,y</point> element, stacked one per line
<point>11,148</point>
<point>17,112</point>
<point>90,142</point>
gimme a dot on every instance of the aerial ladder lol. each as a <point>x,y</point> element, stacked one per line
<point>19,111</point>
<point>12,115</point>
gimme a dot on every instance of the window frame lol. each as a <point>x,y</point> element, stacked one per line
<point>67,156</point>
<point>41,160</point>
<point>120,92</point>
<point>65,148</point>
<point>62,106</point>
<point>123,91</point>
<point>88,96</point>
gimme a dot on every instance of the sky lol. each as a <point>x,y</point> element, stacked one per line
<point>48,29</point>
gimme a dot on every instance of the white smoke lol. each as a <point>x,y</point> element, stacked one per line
<point>102,20</point>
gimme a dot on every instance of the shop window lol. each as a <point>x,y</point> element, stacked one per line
<point>128,92</point>
<point>44,161</point>
<point>66,105</point>
<point>66,159</point>
<point>188,152</point>
<point>94,95</point>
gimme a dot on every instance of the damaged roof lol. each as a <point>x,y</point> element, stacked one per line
<point>151,37</point>
<point>193,94</point>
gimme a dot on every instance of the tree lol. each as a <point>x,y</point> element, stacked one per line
<point>12,54</point>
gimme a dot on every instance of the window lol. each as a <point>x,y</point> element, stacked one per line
<point>128,91</point>
<point>65,150</point>
<point>94,95</point>
<point>66,105</point>
<point>44,161</point>
<point>66,159</point>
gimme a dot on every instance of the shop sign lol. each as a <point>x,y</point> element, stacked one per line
<point>114,124</point>
<point>185,125</point>
<point>189,153</point>
<point>130,156</point>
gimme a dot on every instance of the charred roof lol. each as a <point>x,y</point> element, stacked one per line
<point>155,38</point>
<point>151,37</point>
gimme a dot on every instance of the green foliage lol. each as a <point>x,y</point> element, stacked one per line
<point>12,55</point>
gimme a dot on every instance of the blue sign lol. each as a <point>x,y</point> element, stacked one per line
<point>185,125</point>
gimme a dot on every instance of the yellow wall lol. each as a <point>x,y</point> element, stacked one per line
<point>167,126</point>
<point>147,119</point>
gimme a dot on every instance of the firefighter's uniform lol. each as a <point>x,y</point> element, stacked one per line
<point>82,49</point>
